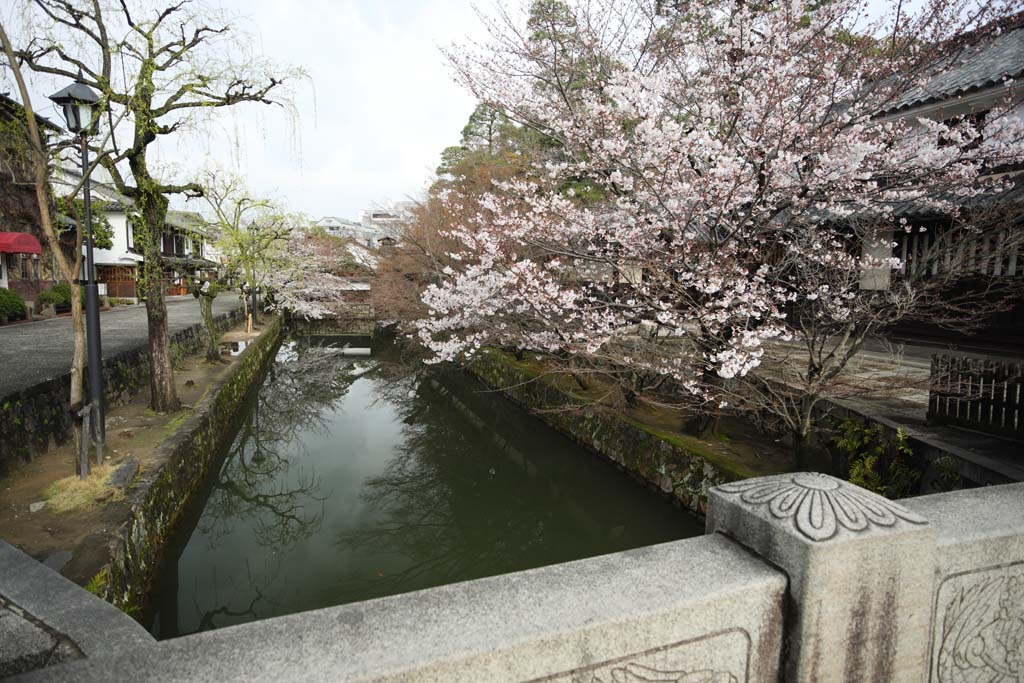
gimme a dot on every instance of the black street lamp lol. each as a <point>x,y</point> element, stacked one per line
<point>80,105</point>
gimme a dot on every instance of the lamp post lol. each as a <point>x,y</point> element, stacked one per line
<point>80,105</point>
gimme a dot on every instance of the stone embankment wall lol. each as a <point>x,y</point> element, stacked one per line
<point>37,418</point>
<point>184,462</point>
<point>347,318</point>
<point>801,577</point>
<point>681,469</point>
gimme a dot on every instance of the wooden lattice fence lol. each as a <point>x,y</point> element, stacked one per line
<point>984,394</point>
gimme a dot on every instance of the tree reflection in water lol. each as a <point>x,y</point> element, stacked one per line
<point>261,480</point>
<point>358,478</point>
<point>459,500</point>
<point>257,479</point>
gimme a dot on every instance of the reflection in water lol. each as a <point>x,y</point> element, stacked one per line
<point>354,478</point>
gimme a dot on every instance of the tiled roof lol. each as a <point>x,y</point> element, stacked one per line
<point>974,67</point>
<point>1009,199</point>
<point>14,108</point>
<point>186,220</point>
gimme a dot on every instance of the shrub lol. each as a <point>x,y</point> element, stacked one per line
<point>46,298</point>
<point>11,305</point>
<point>890,470</point>
<point>947,475</point>
<point>61,293</point>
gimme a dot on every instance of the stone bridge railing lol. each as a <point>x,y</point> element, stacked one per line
<point>801,577</point>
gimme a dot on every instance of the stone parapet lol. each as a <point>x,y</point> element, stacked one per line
<point>860,569</point>
<point>802,577</point>
<point>977,606</point>
<point>44,618</point>
<point>696,610</point>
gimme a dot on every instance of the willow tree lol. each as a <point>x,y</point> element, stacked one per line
<point>251,232</point>
<point>161,68</point>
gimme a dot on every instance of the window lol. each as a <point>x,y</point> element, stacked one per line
<point>135,233</point>
<point>24,266</point>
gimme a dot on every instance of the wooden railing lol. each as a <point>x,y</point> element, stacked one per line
<point>984,394</point>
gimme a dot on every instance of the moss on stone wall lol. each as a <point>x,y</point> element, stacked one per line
<point>189,456</point>
<point>680,467</point>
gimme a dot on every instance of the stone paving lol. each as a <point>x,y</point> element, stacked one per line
<point>31,353</point>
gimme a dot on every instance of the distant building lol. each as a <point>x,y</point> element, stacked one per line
<point>376,227</point>
<point>342,227</point>
<point>184,247</point>
<point>388,221</point>
<point>26,264</point>
<point>116,267</point>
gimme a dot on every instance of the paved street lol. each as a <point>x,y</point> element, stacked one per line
<point>34,352</point>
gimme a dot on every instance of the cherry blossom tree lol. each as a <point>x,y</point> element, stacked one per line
<point>309,279</point>
<point>741,175</point>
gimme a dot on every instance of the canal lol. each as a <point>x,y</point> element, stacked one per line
<point>353,478</point>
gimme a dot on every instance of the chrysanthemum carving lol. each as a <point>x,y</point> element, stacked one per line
<point>819,504</point>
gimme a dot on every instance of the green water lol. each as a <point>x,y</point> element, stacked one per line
<point>356,478</point>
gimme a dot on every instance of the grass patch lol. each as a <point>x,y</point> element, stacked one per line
<point>72,493</point>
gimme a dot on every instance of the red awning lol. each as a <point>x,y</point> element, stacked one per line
<point>19,243</point>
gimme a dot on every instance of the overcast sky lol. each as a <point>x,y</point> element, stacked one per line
<point>378,107</point>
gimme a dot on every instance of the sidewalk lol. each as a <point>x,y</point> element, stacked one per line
<point>890,387</point>
<point>35,352</point>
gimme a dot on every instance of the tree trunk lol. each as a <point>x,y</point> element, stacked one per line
<point>212,336</point>
<point>801,451</point>
<point>70,266</point>
<point>245,311</point>
<point>77,395</point>
<point>802,454</point>
<point>703,423</point>
<point>162,392</point>
<point>152,212</point>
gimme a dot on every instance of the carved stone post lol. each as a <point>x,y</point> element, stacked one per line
<point>861,571</point>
